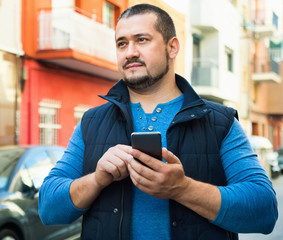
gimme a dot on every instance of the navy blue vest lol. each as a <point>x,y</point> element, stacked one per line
<point>195,136</point>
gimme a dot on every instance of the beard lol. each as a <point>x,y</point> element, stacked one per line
<point>146,81</point>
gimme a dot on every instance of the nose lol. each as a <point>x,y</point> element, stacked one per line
<point>132,51</point>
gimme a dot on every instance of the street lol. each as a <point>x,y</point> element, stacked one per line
<point>277,233</point>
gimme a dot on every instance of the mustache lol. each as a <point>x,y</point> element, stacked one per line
<point>133,60</point>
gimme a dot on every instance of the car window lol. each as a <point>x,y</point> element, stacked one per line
<point>8,160</point>
<point>57,153</point>
<point>34,169</point>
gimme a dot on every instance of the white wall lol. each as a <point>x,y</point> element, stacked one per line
<point>219,22</point>
<point>10,26</point>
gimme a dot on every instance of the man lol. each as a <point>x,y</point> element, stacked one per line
<point>209,185</point>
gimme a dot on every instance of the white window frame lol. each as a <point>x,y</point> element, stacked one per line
<point>49,127</point>
<point>229,55</point>
<point>79,112</point>
<point>109,14</point>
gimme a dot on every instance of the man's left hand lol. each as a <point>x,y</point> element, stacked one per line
<point>160,179</point>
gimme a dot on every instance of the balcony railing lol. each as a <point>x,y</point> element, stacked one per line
<point>67,29</point>
<point>263,66</point>
<point>276,53</point>
<point>266,71</point>
<point>205,73</point>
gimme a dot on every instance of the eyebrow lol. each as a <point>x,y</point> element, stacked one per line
<point>135,36</point>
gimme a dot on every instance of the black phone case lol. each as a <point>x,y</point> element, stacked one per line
<point>148,142</point>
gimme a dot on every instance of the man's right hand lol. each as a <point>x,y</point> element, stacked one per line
<point>112,166</point>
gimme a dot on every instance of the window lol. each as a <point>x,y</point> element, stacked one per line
<point>275,20</point>
<point>255,128</point>
<point>196,47</point>
<point>229,59</point>
<point>9,159</point>
<point>109,14</point>
<point>48,111</point>
<point>79,112</point>
<point>271,133</point>
<point>34,170</point>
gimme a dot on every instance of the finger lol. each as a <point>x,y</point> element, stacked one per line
<point>114,162</point>
<point>138,180</point>
<point>136,168</point>
<point>124,148</point>
<point>112,169</point>
<point>169,156</point>
<point>149,161</point>
<point>118,156</point>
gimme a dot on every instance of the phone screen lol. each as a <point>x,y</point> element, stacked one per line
<point>148,142</point>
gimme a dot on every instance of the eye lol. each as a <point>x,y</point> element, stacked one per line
<point>142,39</point>
<point>121,44</point>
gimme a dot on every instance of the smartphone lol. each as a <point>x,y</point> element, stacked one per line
<point>148,142</point>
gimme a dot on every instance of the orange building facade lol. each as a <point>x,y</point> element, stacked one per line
<point>69,59</point>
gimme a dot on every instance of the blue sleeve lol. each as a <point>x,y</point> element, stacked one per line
<point>248,202</point>
<point>55,205</point>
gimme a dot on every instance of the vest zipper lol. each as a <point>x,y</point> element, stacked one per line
<point>182,110</point>
<point>186,108</point>
<point>122,211</point>
<point>228,235</point>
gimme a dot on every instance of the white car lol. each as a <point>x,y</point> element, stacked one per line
<point>268,158</point>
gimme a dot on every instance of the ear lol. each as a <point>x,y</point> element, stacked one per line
<point>173,47</point>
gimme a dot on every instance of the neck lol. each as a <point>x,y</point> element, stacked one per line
<point>163,91</point>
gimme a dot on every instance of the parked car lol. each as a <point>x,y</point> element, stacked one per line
<point>22,170</point>
<point>268,158</point>
<point>280,158</point>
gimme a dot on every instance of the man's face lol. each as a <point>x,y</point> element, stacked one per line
<point>141,51</point>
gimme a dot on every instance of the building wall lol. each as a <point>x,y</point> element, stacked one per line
<point>10,52</point>
<point>95,8</point>
<point>274,98</point>
<point>266,110</point>
<point>10,28</point>
<point>217,26</point>
<point>64,76</point>
<point>75,22</point>
<point>8,90</point>
<point>69,88</point>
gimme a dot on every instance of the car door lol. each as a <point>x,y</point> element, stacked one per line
<point>73,230</point>
<point>37,165</point>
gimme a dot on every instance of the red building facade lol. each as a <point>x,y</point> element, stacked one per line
<point>69,60</point>
<point>53,100</point>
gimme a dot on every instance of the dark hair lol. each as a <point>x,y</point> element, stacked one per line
<point>164,23</point>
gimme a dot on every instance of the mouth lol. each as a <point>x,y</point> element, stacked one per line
<point>133,66</point>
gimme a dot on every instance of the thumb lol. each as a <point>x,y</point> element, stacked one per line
<point>169,156</point>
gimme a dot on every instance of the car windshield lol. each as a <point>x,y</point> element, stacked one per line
<point>8,160</point>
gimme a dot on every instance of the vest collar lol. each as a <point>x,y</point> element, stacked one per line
<point>119,93</point>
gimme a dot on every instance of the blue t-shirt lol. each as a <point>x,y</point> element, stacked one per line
<point>150,218</point>
<point>248,185</point>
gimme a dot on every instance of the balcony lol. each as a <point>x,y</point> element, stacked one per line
<point>208,15</point>
<point>265,23</point>
<point>75,41</point>
<point>205,79</point>
<point>266,71</point>
<point>205,73</point>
